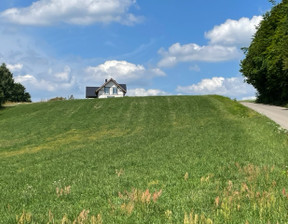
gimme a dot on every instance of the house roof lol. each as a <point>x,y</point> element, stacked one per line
<point>91,92</point>
<point>124,87</point>
<point>121,86</point>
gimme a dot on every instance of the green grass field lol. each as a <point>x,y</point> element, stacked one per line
<point>174,159</point>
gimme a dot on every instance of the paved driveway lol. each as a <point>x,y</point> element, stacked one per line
<point>277,114</point>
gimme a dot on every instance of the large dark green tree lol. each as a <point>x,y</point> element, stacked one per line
<point>266,60</point>
<point>9,90</point>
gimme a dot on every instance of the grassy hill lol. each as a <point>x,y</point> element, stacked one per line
<point>175,159</point>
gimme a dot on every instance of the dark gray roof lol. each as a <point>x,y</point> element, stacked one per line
<point>91,92</point>
<point>123,86</point>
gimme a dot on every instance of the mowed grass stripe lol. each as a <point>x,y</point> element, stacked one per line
<point>113,156</point>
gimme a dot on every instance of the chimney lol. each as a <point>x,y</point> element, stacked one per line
<point>105,80</point>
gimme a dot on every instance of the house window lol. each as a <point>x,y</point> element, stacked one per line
<point>106,90</point>
<point>115,90</point>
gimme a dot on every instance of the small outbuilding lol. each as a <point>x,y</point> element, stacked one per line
<point>109,89</point>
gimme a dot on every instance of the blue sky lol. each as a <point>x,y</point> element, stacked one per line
<point>164,47</point>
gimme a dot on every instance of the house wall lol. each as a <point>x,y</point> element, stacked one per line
<point>102,94</point>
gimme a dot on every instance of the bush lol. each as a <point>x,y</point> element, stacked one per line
<point>57,99</point>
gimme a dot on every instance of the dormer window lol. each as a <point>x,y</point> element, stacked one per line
<point>107,90</point>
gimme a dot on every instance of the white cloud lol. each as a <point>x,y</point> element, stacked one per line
<point>14,67</point>
<point>33,83</point>
<point>234,32</point>
<point>193,52</point>
<point>65,75</point>
<point>224,43</point>
<point>51,82</point>
<point>118,70</point>
<point>121,70</point>
<point>84,12</point>
<point>158,72</point>
<point>148,92</point>
<point>233,87</point>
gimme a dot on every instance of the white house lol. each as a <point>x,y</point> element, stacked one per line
<point>109,89</point>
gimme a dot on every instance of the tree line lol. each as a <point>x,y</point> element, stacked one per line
<point>9,89</point>
<point>265,65</point>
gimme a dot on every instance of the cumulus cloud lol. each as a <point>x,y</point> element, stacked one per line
<point>14,67</point>
<point>84,12</point>
<point>193,52</point>
<point>148,92</point>
<point>233,87</point>
<point>234,32</point>
<point>157,72</point>
<point>51,83</point>
<point>224,44</point>
<point>33,83</point>
<point>63,76</point>
<point>121,70</point>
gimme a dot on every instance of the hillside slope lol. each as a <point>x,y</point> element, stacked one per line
<point>114,156</point>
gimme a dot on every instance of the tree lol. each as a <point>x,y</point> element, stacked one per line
<point>9,90</point>
<point>19,94</point>
<point>6,83</point>
<point>266,60</point>
<point>273,2</point>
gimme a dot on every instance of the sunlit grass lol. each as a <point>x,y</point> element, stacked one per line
<point>184,159</point>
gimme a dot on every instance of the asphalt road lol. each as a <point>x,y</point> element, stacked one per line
<point>277,114</point>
